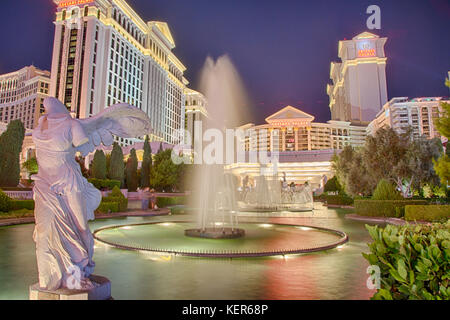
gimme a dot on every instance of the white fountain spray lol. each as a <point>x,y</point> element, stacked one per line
<point>216,189</point>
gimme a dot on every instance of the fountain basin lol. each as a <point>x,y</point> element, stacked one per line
<point>261,239</point>
<point>215,233</point>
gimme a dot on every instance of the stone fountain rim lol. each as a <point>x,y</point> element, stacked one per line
<point>223,254</point>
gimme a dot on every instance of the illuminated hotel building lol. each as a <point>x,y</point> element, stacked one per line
<point>195,110</point>
<point>21,95</point>
<point>418,114</point>
<point>104,54</point>
<point>291,129</point>
<point>358,90</point>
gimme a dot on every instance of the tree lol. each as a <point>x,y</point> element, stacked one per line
<point>359,181</point>
<point>386,191</point>
<point>442,165</point>
<point>84,171</point>
<point>333,185</point>
<point>31,165</point>
<point>99,165</point>
<point>131,168</point>
<point>341,164</point>
<point>116,164</point>
<point>164,174</point>
<point>442,168</point>
<point>146,164</point>
<point>399,158</point>
<point>10,148</point>
<point>351,172</point>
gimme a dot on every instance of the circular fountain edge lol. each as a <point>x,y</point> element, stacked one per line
<point>227,254</point>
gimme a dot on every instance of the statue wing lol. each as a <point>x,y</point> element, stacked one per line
<point>121,120</point>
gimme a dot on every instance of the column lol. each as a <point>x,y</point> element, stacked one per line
<point>309,138</point>
<point>283,139</point>
<point>296,138</point>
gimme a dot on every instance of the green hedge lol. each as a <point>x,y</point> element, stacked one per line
<point>16,189</point>
<point>123,203</point>
<point>105,184</point>
<point>163,202</point>
<point>413,261</point>
<point>384,208</point>
<point>427,213</point>
<point>5,202</point>
<point>106,207</point>
<point>22,204</point>
<point>341,200</point>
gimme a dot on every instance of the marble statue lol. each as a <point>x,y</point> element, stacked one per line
<point>64,200</point>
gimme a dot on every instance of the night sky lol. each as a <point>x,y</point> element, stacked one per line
<point>282,49</point>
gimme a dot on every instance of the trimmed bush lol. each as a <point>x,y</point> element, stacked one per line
<point>22,204</point>
<point>414,261</point>
<point>386,191</point>
<point>5,202</point>
<point>427,213</point>
<point>106,207</point>
<point>105,184</point>
<point>117,196</point>
<point>163,202</point>
<point>384,208</point>
<point>342,200</point>
<point>332,185</point>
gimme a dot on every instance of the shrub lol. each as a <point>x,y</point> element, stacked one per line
<point>384,208</point>
<point>414,261</point>
<point>333,185</point>
<point>104,184</point>
<point>427,213</point>
<point>5,202</point>
<point>117,196</point>
<point>342,200</point>
<point>163,202</point>
<point>22,204</point>
<point>386,191</point>
<point>106,207</point>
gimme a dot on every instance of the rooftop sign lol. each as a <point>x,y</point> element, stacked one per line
<point>69,3</point>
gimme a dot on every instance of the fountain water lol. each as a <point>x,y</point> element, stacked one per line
<point>216,189</point>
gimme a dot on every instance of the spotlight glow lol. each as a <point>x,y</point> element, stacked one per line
<point>266,225</point>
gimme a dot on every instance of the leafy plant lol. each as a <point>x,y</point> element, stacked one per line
<point>413,261</point>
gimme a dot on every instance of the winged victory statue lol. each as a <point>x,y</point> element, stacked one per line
<point>64,200</point>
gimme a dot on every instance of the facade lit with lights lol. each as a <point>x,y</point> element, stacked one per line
<point>358,90</point>
<point>21,95</point>
<point>305,147</point>
<point>402,113</point>
<point>291,129</point>
<point>195,111</point>
<point>104,53</point>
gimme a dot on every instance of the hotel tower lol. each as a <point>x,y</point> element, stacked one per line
<point>104,53</point>
<point>358,91</point>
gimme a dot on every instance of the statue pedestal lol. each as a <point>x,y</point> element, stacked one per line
<point>101,292</point>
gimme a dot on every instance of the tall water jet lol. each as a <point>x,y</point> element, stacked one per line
<point>215,195</point>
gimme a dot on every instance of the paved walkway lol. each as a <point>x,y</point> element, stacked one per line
<point>133,213</point>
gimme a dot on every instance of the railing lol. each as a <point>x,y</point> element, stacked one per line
<point>20,195</point>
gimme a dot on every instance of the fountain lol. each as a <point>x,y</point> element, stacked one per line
<point>272,195</point>
<point>216,232</point>
<point>216,190</point>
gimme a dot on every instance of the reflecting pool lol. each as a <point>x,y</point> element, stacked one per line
<point>334,274</point>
